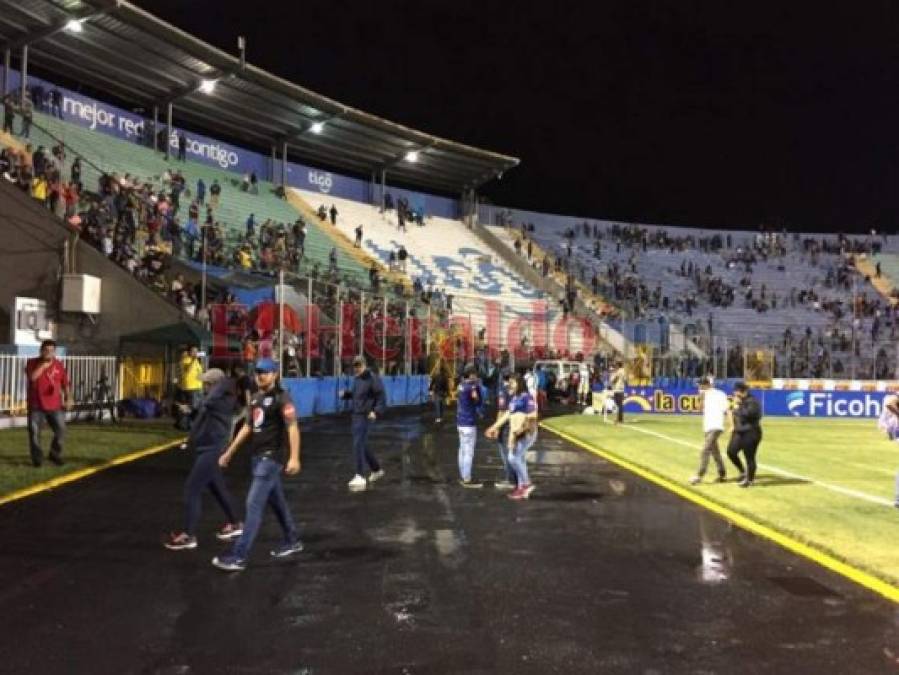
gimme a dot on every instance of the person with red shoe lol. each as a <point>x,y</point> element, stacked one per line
<point>522,418</point>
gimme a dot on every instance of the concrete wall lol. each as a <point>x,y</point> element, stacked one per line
<point>31,261</point>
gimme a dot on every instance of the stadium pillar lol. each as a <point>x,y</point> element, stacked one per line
<point>7,58</point>
<point>155,128</point>
<point>384,340</point>
<point>168,129</point>
<point>284,166</point>
<point>24,82</point>
<point>271,175</point>
<point>383,189</point>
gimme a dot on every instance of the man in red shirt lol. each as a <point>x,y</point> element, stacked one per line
<point>48,393</point>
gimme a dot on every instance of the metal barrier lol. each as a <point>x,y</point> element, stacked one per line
<point>85,373</point>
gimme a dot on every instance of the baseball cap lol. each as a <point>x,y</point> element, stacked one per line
<point>266,366</point>
<point>212,376</point>
<point>359,361</point>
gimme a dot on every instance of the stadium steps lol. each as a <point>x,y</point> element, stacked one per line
<point>889,269</point>
<point>117,156</point>
<point>343,242</point>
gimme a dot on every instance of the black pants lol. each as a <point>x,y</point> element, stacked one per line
<point>618,397</point>
<point>206,474</point>
<point>748,443</point>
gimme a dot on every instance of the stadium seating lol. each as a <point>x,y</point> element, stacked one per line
<point>736,324</point>
<point>117,156</point>
<point>446,255</point>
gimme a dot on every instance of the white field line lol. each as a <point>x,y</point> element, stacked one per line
<point>773,469</point>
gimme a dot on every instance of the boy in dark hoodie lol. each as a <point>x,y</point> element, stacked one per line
<point>209,435</point>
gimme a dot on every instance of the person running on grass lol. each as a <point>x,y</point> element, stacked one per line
<point>468,401</point>
<point>747,433</point>
<point>503,398</point>
<point>522,419</point>
<point>271,418</point>
<point>209,435</point>
<point>715,409</point>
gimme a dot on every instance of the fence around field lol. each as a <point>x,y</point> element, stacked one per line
<point>85,373</point>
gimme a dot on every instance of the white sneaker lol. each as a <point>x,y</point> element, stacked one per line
<point>696,480</point>
<point>504,485</point>
<point>376,475</point>
<point>357,484</point>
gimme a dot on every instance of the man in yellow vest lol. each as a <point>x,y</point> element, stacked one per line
<point>190,388</point>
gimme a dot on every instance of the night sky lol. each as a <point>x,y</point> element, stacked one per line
<point>681,112</point>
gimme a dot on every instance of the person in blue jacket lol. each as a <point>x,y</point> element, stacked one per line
<point>468,405</point>
<point>369,401</point>
<point>210,433</point>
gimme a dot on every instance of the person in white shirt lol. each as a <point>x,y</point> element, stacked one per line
<point>715,408</point>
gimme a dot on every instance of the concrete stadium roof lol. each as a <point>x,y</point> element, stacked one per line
<point>137,57</point>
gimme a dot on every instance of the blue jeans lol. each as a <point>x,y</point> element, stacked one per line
<point>266,489</point>
<point>361,453</point>
<point>57,422</point>
<point>518,458</point>
<point>502,444</point>
<point>206,473</point>
<point>468,437</point>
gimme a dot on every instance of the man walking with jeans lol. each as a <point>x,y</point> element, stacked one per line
<point>369,401</point>
<point>271,418</point>
<point>714,411</point>
<point>48,388</point>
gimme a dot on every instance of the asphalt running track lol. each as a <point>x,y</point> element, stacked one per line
<point>599,572</point>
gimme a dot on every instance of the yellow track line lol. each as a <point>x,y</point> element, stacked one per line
<point>87,471</point>
<point>826,560</point>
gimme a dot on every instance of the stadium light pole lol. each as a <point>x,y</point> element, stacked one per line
<point>24,83</point>
<point>168,130</point>
<point>7,59</point>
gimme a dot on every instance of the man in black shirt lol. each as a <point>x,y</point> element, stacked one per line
<point>271,420</point>
<point>747,433</point>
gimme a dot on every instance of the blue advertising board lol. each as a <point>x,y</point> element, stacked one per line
<point>775,402</point>
<point>129,126</point>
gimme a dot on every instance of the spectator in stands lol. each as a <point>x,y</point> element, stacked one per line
<point>182,147</point>
<point>322,213</point>
<point>76,173</point>
<point>254,183</point>
<point>9,114</point>
<point>251,226</point>
<point>402,255</point>
<point>56,102</point>
<point>27,117</point>
<point>332,260</point>
<point>333,214</point>
<point>373,276</point>
<point>245,182</point>
<point>201,191</point>
<point>215,190</point>
<point>358,242</point>
<point>49,393</point>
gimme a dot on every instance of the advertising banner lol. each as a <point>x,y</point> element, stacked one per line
<point>129,126</point>
<point>775,403</point>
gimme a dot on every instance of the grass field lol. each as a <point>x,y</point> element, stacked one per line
<point>826,482</point>
<point>86,445</point>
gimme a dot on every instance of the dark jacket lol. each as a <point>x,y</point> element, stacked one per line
<point>439,385</point>
<point>747,415</point>
<point>367,394</point>
<point>211,429</point>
